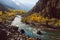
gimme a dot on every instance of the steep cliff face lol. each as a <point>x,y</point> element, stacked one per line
<point>49,8</point>
<point>39,6</point>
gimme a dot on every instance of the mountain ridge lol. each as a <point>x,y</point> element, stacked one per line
<point>14,5</point>
<point>50,8</point>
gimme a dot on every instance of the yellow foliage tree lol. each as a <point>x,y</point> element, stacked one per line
<point>0,12</point>
<point>34,17</point>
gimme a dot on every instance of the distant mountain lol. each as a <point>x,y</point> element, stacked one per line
<point>3,8</point>
<point>50,8</point>
<point>12,4</point>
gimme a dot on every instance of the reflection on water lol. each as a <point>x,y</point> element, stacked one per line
<point>31,32</point>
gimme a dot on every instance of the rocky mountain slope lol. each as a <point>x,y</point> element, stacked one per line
<point>49,8</point>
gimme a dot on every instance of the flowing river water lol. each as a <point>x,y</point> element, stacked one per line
<point>32,32</point>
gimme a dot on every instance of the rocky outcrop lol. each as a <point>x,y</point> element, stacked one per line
<point>49,8</point>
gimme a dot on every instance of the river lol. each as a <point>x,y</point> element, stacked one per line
<point>32,32</point>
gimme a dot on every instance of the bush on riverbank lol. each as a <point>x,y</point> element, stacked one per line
<point>37,18</point>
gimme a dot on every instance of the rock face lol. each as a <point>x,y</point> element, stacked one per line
<point>47,7</point>
<point>39,6</point>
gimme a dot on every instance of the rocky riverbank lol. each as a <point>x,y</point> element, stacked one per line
<point>12,33</point>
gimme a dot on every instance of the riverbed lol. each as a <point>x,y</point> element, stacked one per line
<point>32,32</point>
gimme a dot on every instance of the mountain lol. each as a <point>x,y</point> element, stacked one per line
<point>3,8</point>
<point>50,8</point>
<point>16,5</point>
<point>40,5</point>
